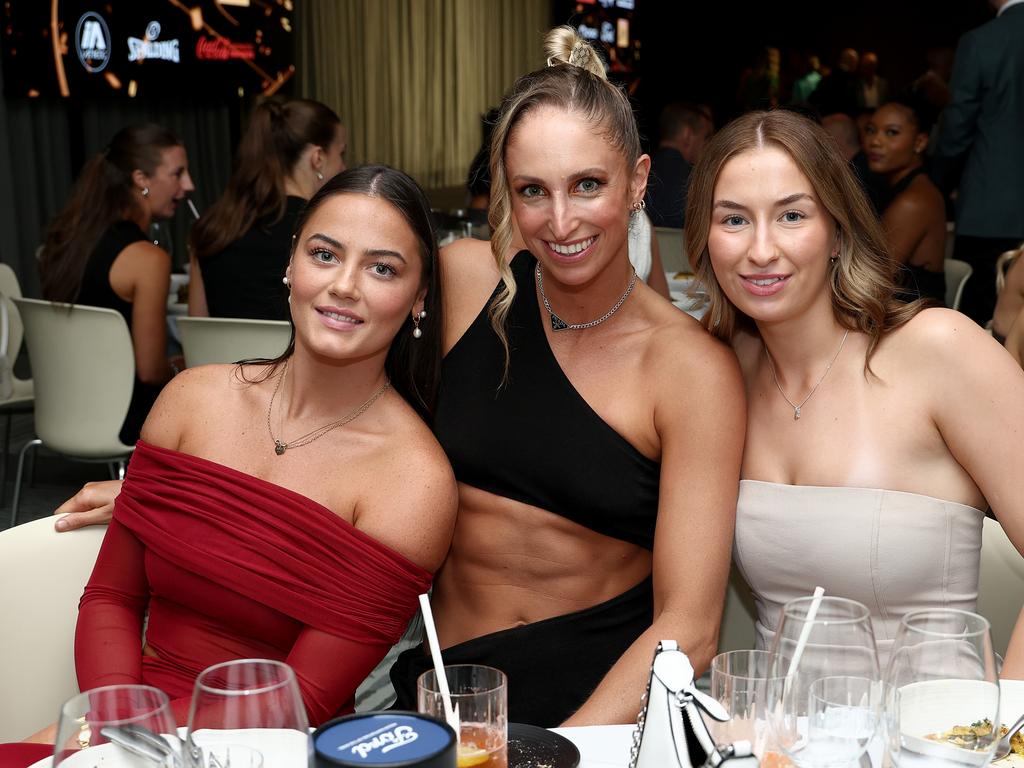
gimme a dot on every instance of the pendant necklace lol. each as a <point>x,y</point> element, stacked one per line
<point>558,324</point>
<point>280,446</point>
<point>795,406</point>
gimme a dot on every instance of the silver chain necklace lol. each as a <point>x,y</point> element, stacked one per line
<point>558,324</point>
<point>280,446</point>
<point>796,408</point>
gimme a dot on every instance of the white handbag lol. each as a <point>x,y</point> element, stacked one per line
<point>671,732</point>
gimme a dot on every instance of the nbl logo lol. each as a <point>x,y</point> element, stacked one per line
<point>92,39</point>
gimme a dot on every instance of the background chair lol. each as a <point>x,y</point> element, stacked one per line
<point>21,399</point>
<point>206,340</point>
<point>42,574</point>
<point>672,248</point>
<point>84,371</point>
<point>1001,584</point>
<point>957,274</point>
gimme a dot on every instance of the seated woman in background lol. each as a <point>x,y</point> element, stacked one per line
<point>1010,290</point>
<point>895,139</point>
<point>97,252</point>
<point>235,531</point>
<point>240,245</point>
<point>877,431</point>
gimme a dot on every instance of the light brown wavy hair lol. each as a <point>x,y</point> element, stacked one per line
<point>861,279</point>
<point>575,81</point>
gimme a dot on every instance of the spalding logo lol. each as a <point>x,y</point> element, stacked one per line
<point>92,39</point>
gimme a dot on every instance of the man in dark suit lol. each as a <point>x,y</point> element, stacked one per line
<point>983,133</point>
<point>683,129</point>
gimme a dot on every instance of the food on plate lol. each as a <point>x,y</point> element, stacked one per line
<point>967,735</point>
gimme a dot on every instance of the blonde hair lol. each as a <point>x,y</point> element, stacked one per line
<point>575,81</point>
<point>862,277</point>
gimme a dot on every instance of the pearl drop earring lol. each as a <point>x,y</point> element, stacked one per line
<point>416,317</point>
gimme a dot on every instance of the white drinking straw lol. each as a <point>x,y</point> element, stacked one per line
<point>451,714</point>
<point>805,632</point>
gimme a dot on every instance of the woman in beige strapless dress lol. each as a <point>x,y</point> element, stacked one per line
<point>877,431</point>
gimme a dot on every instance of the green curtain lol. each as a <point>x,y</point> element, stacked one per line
<point>412,78</point>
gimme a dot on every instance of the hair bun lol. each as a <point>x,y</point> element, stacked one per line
<point>564,46</point>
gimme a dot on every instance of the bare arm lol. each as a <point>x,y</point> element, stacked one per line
<point>143,271</point>
<point>196,289</point>
<point>987,438</point>
<point>702,443</point>
<point>1013,664</point>
<point>904,222</point>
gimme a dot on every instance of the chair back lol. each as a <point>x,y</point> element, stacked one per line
<point>11,289</point>
<point>957,274</point>
<point>672,249</point>
<point>1001,583</point>
<point>207,340</point>
<point>42,574</point>
<point>83,366</point>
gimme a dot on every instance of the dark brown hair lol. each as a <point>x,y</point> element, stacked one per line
<point>274,140</point>
<point>102,195</point>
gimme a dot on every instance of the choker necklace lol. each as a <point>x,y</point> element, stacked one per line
<point>796,408</point>
<point>558,324</point>
<point>280,446</point>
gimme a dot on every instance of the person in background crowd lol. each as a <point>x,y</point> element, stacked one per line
<point>872,90</point>
<point>843,129</point>
<point>933,85</point>
<point>96,250</point>
<point>1010,276</point>
<point>240,246</point>
<point>915,215</point>
<point>808,82</point>
<point>837,91</point>
<point>683,130</point>
<point>852,446</point>
<point>981,133</point>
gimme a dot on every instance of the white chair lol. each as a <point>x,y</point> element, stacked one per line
<point>736,632</point>
<point>42,574</point>
<point>83,366</point>
<point>1001,583</point>
<point>957,274</point>
<point>206,340</point>
<point>21,399</point>
<point>672,248</point>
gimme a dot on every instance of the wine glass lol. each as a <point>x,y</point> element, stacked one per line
<point>95,720</point>
<point>251,702</point>
<point>823,695</point>
<point>942,674</point>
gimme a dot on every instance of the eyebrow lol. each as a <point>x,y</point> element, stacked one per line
<point>574,175</point>
<point>788,200</point>
<point>376,252</point>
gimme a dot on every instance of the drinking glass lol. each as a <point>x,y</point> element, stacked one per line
<point>739,683</point>
<point>91,719</point>
<point>824,693</point>
<point>251,702</point>
<point>481,695</point>
<point>942,674</point>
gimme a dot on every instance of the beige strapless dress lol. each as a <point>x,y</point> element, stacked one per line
<point>893,551</point>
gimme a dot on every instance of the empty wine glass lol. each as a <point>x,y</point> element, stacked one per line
<point>98,720</point>
<point>251,702</point>
<point>942,690</point>
<point>824,689</point>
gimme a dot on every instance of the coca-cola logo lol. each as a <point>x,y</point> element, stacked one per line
<point>222,49</point>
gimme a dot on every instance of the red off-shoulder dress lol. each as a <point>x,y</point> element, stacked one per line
<point>230,566</point>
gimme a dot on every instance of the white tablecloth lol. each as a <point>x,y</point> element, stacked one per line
<point>601,746</point>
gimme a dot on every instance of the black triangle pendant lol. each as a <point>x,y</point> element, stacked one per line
<point>557,323</point>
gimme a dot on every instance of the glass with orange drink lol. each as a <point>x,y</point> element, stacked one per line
<point>481,695</point>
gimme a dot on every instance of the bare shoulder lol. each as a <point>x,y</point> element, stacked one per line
<point>468,262</point>
<point>920,198</point>
<point>189,396</point>
<point>943,346</point>
<point>413,507</point>
<point>683,348</point>
<point>143,256</point>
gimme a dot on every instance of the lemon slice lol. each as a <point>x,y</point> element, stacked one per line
<point>470,756</point>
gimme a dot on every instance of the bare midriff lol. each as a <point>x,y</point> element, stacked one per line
<point>512,564</point>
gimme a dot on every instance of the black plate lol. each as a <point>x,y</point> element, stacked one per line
<point>530,746</point>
